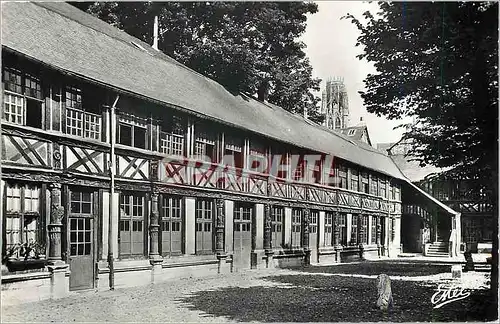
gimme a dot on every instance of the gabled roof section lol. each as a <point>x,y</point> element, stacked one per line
<point>72,41</point>
<point>357,133</point>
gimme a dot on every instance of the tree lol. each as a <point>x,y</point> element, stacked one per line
<point>245,46</point>
<point>438,62</point>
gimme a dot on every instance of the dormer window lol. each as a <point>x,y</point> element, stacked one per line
<point>204,146</point>
<point>22,98</point>
<point>351,132</point>
<point>234,148</point>
<point>172,136</point>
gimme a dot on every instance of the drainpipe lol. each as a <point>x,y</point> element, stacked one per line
<point>112,167</point>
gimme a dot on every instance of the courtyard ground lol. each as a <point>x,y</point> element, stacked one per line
<point>337,293</point>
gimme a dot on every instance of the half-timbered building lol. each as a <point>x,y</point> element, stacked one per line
<point>102,138</point>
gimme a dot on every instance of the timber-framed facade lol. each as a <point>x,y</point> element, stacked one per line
<point>171,215</point>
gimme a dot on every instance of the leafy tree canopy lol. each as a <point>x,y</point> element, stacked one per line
<point>245,46</point>
<point>437,62</point>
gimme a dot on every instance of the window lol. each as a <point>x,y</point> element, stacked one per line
<point>80,120</point>
<point>354,230</point>
<point>171,225</point>
<point>22,217</point>
<point>397,191</point>
<point>242,218</point>
<point>204,226</point>
<point>234,148</point>
<point>172,137</point>
<point>296,227</point>
<point>472,230</point>
<point>393,192</point>
<point>354,180</point>
<point>373,185</point>
<point>22,98</point>
<point>351,132</point>
<point>277,226</point>
<point>374,230</point>
<point>364,183</point>
<point>81,203</point>
<point>328,229</point>
<point>363,233</point>
<point>132,131</point>
<point>313,224</point>
<point>131,235</point>
<point>383,192</point>
<point>298,169</point>
<point>204,145</point>
<point>342,224</point>
<point>342,176</point>
<point>258,157</point>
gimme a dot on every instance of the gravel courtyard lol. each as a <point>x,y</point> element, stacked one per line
<point>337,293</point>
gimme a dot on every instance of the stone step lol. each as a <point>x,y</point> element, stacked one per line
<point>438,254</point>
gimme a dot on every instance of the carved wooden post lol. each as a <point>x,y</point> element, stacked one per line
<point>154,255</point>
<point>59,286</point>
<point>361,232</point>
<point>219,230</point>
<point>336,237</point>
<point>268,235</point>
<point>55,226</point>
<point>305,237</point>
<point>354,234</point>
<point>379,235</point>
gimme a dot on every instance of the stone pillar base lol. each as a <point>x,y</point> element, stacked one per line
<point>223,267</point>
<point>362,252</point>
<point>59,284</point>
<point>307,257</point>
<point>338,249</point>
<point>156,261</point>
<point>269,260</point>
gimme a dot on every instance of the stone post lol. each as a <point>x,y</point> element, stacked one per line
<point>336,237</point>
<point>305,238</point>
<point>219,238</point>
<point>268,236</point>
<point>154,256</point>
<point>59,285</point>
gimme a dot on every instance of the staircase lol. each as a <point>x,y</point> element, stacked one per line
<point>438,249</point>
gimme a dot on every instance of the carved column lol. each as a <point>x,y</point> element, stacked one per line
<point>336,236</point>
<point>361,232</point>
<point>154,255</point>
<point>57,267</point>
<point>379,236</point>
<point>268,235</point>
<point>55,226</point>
<point>219,236</point>
<point>305,238</point>
<point>354,234</point>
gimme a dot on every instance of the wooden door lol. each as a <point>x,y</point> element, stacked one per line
<point>242,237</point>
<point>313,236</point>
<point>81,239</point>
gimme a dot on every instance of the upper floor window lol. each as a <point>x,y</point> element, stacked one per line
<point>258,160</point>
<point>364,183</point>
<point>383,192</point>
<point>204,145</point>
<point>342,176</point>
<point>234,149</point>
<point>373,185</point>
<point>354,180</point>
<point>22,98</point>
<point>81,119</point>
<point>132,131</point>
<point>172,136</point>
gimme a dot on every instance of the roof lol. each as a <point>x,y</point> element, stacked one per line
<point>357,133</point>
<point>409,166</point>
<point>72,41</point>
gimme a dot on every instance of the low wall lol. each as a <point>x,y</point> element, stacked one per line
<point>25,288</point>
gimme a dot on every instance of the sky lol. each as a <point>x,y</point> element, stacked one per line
<point>332,52</point>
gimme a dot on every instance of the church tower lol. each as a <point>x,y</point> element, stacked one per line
<point>335,104</point>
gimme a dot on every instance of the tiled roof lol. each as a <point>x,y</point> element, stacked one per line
<point>75,42</point>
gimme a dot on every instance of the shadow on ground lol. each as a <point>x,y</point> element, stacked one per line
<point>316,298</point>
<point>393,268</point>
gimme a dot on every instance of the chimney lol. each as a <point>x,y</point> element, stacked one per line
<point>360,119</point>
<point>155,34</point>
<point>263,91</point>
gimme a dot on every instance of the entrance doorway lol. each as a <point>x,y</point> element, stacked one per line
<point>242,236</point>
<point>313,236</point>
<point>81,239</point>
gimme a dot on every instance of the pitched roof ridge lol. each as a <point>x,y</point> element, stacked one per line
<point>146,46</point>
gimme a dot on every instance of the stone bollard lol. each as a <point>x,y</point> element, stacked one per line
<point>384,298</point>
<point>469,262</point>
<point>456,271</point>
